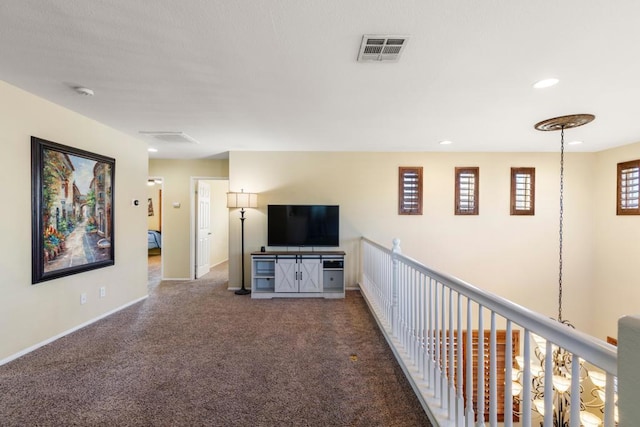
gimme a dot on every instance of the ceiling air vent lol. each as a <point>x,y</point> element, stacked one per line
<point>169,136</point>
<point>382,48</point>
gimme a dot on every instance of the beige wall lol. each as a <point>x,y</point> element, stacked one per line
<point>153,193</point>
<point>513,256</point>
<point>176,231</point>
<point>31,314</point>
<point>616,290</point>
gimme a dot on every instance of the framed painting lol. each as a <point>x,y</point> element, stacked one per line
<point>72,210</point>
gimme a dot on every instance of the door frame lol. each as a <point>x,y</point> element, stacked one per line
<point>193,240</point>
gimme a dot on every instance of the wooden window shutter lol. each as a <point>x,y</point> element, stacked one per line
<point>484,355</point>
<point>467,191</point>
<point>628,193</point>
<point>523,191</point>
<point>410,190</point>
<point>501,348</point>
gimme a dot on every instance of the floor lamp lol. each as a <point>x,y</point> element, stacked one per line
<point>242,200</point>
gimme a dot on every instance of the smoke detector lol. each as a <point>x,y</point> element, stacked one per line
<point>381,48</point>
<point>170,136</point>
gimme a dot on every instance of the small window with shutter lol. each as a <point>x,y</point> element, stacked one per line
<point>467,191</point>
<point>410,190</point>
<point>628,188</point>
<point>523,191</point>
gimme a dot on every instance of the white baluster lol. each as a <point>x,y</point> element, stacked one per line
<point>470,410</point>
<point>451,348</point>
<point>394,290</point>
<point>609,401</point>
<point>508,370</point>
<point>575,391</point>
<point>526,381</point>
<point>493,373</point>
<point>423,324</point>
<point>388,290</point>
<point>430,343</point>
<point>442,337</point>
<point>480,403</point>
<point>548,385</point>
<point>407,309</point>
<point>459,364</point>
<point>414,318</point>
<point>403,291</point>
<point>436,341</point>
<point>399,320</point>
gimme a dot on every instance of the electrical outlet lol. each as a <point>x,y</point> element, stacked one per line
<point>103,291</point>
<point>83,298</point>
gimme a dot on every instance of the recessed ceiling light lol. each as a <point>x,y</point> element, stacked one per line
<point>445,142</point>
<point>575,143</point>
<point>85,91</point>
<point>152,150</point>
<point>541,84</point>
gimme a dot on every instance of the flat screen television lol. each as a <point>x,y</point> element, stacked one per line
<point>303,225</point>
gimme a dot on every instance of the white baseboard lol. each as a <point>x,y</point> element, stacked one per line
<point>183,279</point>
<point>67,332</point>
<point>221,262</point>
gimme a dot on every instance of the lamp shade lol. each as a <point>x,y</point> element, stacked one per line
<point>589,420</point>
<point>561,383</point>
<point>599,379</point>
<point>242,200</point>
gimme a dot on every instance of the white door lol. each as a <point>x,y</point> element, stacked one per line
<point>309,275</point>
<point>286,275</point>
<point>203,248</point>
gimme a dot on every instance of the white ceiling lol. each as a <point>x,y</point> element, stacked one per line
<point>283,75</point>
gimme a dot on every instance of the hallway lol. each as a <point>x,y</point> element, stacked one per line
<point>154,262</point>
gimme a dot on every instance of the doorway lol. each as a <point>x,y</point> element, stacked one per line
<point>209,224</point>
<point>154,230</point>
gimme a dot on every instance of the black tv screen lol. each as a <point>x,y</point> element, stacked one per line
<point>303,225</point>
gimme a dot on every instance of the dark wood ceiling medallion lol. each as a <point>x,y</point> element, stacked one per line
<point>565,122</point>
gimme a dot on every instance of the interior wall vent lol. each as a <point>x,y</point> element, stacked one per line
<point>170,136</point>
<point>382,48</point>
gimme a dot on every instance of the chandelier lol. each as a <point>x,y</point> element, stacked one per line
<point>592,381</point>
<point>592,386</point>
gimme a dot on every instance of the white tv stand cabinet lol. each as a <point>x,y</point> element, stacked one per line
<point>281,274</point>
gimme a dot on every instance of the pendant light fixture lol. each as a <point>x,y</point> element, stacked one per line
<point>561,123</point>
<point>555,408</point>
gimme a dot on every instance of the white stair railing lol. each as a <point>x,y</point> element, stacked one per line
<point>430,318</point>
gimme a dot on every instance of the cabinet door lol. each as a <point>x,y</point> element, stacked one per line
<point>286,275</point>
<point>309,275</point>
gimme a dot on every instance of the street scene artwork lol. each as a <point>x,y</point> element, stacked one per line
<point>73,210</point>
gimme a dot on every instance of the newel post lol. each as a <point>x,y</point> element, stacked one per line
<point>395,251</point>
<point>628,373</point>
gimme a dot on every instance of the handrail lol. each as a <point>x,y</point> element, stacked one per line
<point>601,353</point>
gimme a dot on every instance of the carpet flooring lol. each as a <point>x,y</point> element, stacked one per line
<point>196,354</point>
